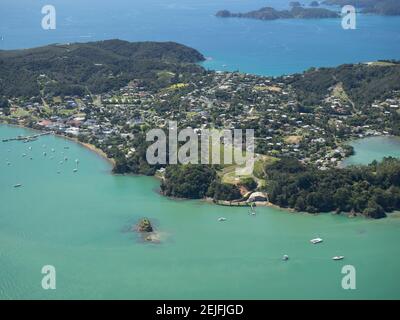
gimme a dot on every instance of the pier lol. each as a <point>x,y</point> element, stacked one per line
<point>27,138</point>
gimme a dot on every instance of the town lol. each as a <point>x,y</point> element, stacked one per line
<point>114,120</point>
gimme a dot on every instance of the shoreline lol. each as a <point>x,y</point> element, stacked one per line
<point>241,204</point>
<point>88,146</point>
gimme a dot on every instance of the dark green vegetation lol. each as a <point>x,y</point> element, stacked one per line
<point>79,68</point>
<point>268,13</point>
<point>371,190</point>
<point>363,83</point>
<point>382,7</point>
<point>196,182</point>
<point>188,181</point>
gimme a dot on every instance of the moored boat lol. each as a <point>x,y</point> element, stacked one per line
<point>316,240</point>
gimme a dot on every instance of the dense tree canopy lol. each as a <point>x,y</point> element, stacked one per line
<point>72,69</point>
<point>371,190</point>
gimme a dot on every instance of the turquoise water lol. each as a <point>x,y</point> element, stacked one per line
<point>261,47</point>
<point>373,148</point>
<point>78,221</point>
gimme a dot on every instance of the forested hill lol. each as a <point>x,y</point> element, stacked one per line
<point>95,66</point>
<point>363,83</point>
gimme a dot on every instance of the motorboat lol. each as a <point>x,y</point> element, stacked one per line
<point>18,185</point>
<point>338,258</point>
<point>221,219</point>
<point>316,240</point>
<point>285,257</point>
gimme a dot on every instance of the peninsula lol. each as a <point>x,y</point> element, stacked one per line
<point>110,93</point>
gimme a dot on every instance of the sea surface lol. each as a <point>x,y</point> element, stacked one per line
<point>253,46</point>
<point>373,148</point>
<point>80,224</point>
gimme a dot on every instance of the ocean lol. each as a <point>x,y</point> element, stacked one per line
<point>260,47</point>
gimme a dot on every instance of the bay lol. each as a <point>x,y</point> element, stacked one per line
<point>78,221</point>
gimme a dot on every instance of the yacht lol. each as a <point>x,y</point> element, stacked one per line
<point>253,211</point>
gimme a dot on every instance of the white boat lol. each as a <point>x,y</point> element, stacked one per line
<point>253,211</point>
<point>316,240</point>
<point>338,258</point>
<point>221,219</point>
<point>285,257</point>
<point>17,185</point>
<point>75,170</point>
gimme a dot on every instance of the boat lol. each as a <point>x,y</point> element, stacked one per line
<point>285,257</point>
<point>221,219</point>
<point>75,170</point>
<point>17,185</point>
<point>338,258</point>
<point>253,211</point>
<point>316,240</point>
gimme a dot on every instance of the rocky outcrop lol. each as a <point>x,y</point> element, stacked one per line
<point>144,225</point>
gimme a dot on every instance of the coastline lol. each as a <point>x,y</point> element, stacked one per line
<point>89,146</point>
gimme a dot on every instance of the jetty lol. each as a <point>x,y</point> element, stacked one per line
<point>27,138</point>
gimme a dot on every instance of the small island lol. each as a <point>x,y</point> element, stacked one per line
<point>268,13</point>
<point>146,230</point>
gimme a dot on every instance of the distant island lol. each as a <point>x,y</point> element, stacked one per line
<point>268,13</point>
<point>380,7</point>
